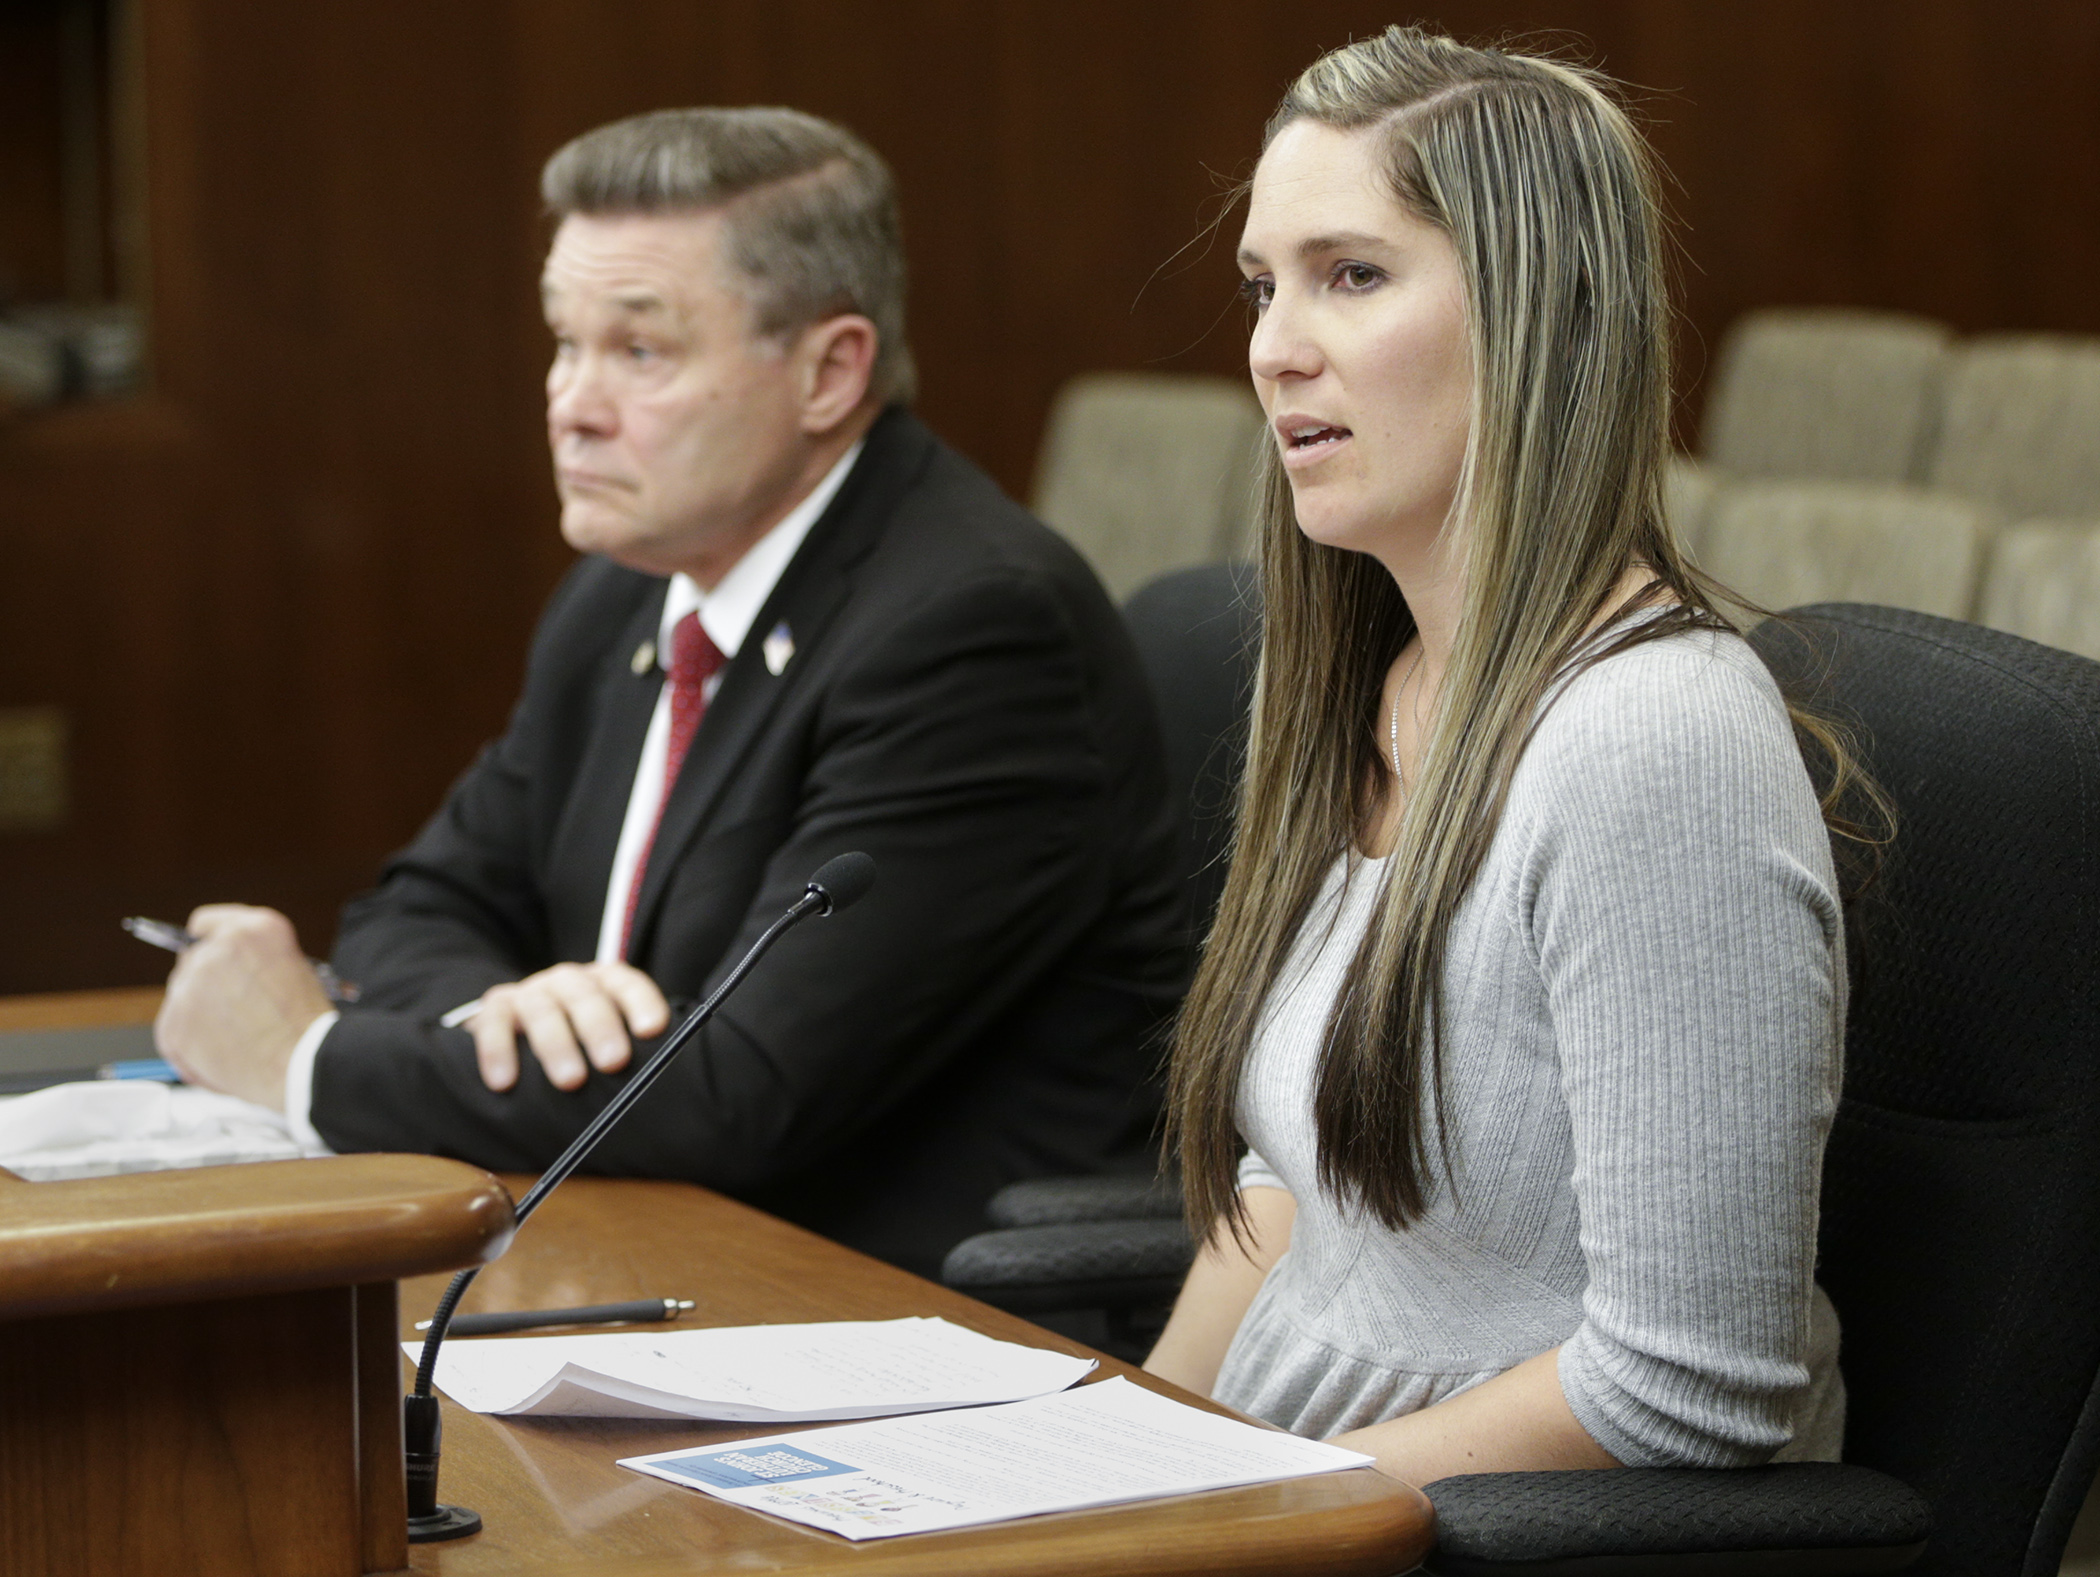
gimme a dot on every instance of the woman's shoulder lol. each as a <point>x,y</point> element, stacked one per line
<point>1694,708</point>
<point>1692,681</point>
<point>1676,750</point>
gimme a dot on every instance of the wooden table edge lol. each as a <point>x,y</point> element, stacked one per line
<point>1348,1541</point>
<point>117,1007</point>
<point>233,1231</point>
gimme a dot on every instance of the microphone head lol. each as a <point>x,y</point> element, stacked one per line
<point>844,880</point>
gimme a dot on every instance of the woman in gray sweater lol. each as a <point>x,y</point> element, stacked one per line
<point>1526,994</point>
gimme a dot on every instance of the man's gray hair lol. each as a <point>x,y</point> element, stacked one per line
<point>811,211</point>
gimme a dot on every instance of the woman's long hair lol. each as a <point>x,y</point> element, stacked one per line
<point>1549,197</point>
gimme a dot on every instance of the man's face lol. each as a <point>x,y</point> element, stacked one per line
<point>676,431</point>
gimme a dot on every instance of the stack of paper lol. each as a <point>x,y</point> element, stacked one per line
<point>1097,1446</point>
<point>766,1374</point>
<point>101,1127</point>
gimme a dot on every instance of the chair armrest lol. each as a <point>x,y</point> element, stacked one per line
<point>1801,1519</point>
<point>1058,1201</point>
<point>1103,1265</point>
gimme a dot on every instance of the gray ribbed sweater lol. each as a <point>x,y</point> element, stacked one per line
<point>1644,999</point>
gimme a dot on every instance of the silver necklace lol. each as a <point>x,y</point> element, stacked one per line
<point>1392,736</point>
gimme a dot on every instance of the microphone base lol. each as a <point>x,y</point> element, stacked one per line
<point>447,1522</point>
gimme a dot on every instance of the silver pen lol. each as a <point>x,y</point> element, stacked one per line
<point>159,933</point>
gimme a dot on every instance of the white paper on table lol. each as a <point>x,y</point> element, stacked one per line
<point>1097,1446</point>
<point>771,1374</point>
<point>101,1127</point>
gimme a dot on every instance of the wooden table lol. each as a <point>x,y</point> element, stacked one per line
<point>198,1372</point>
<point>553,1502</point>
<point>114,1008</point>
<point>69,1030</point>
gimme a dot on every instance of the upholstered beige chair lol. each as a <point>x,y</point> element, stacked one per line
<point>1824,392</point>
<point>1688,494</point>
<point>1782,544</point>
<point>2019,425</point>
<point>2043,582</point>
<point>1147,472</point>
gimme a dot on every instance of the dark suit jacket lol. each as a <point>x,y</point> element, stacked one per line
<point>964,705</point>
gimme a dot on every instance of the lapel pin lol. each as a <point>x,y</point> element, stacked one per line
<point>644,657</point>
<point>779,648</point>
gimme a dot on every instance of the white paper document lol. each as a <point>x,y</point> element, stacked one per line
<point>101,1127</point>
<point>1096,1446</point>
<point>764,1374</point>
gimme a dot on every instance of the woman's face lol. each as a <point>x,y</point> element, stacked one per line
<point>1360,353</point>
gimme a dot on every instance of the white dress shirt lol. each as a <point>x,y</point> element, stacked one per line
<point>727,614</point>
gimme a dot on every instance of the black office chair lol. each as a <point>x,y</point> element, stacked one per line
<point>1052,1257</point>
<point>1197,633</point>
<point>1961,1217</point>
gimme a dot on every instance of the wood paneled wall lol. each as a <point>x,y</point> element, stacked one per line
<point>32,228</point>
<point>286,597</point>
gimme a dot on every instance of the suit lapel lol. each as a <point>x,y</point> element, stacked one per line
<point>581,855</point>
<point>806,600</point>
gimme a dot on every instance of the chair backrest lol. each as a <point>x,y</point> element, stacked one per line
<point>2043,582</point>
<point>1198,633</point>
<point>1961,1206</point>
<point>1824,392</point>
<point>1146,472</point>
<point>1786,543</point>
<point>2019,425</point>
<point>1688,496</point>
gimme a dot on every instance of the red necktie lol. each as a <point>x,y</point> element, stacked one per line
<point>694,659</point>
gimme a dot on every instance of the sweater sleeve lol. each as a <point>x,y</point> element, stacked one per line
<point>1679,895</point>
<point>1257,1173</point>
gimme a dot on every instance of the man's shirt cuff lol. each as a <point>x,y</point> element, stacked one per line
<point>299,1084</point>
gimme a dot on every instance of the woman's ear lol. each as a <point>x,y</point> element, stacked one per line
<point>835,361</point>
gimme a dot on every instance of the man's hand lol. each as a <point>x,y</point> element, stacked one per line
<point>596,1005</point>
<point>237,1003</point>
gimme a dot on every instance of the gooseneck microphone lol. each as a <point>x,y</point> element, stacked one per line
<point>838,883</point>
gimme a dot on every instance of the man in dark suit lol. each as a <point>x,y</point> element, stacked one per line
<point>805,627</point>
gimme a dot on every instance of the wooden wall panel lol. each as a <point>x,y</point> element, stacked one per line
<point>286,597</point>
<point>32,229</point>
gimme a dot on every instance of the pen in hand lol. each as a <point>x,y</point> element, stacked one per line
<point>657,1309</point>
<point>159,933</point>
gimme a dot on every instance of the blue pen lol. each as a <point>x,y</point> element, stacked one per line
<point>156,1068</point>
<point>159,933</point>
